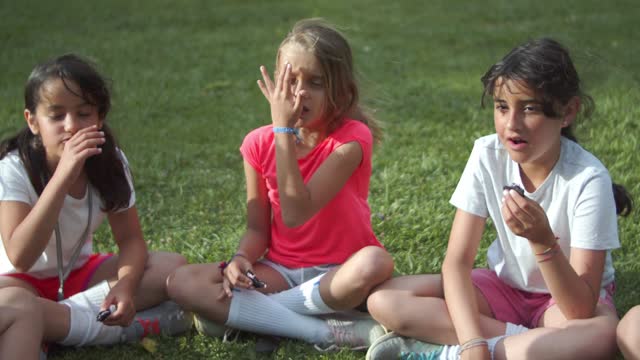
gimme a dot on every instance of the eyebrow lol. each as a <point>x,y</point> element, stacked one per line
<point>55,107</point>
<point>519,101</point>
<point>58,107</point>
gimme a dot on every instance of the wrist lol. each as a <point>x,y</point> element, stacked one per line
<point>476,345</point>
<point>240,254</point>
<point>287,130</point>
<point>540,243</point>
<point>547,250</point>
<point>127,285</point>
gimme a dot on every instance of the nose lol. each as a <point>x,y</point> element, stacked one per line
<point>513,120</point>
<point>71,124</point>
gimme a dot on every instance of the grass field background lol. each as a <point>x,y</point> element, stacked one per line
<point>184,77</point>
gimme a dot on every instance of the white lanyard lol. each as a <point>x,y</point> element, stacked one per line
<point>63,272</point>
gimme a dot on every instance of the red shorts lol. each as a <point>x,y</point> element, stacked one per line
<point>77,281</point>
<point>517,306</point>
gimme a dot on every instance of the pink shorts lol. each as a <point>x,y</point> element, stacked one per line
<point>517,306</point>
<point>77,281</point>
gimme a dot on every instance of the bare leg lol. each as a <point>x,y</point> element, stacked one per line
<point>559,338</point>
<point>21,324</point>
<point>152,289</point>
<point>348,285</point>
<point>413,306</point>
<point>198,288</point>
<point>54,317</point>
<point>629,334</point>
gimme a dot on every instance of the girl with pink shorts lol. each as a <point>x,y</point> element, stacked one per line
<point>547,293</point>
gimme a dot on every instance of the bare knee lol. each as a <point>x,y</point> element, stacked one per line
<point>379,305</point>
<point>375,265</point>
<point>601,343</point>
<point>187,283</point>
<point>383,305</point>
<point>628,334</point>
<point>165,262</point>
<point>19,304</point>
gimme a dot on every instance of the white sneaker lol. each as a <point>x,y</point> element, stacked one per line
<point>394,346</point>
<point>355,334</point>
<point>165,319</point>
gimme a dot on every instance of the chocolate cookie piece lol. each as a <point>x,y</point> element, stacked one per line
<point>515,187</point>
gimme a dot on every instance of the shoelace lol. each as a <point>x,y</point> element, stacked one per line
<point>330,348</point>
<point>342,335</point>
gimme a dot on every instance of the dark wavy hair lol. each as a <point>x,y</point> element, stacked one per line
<point>545,66</point>
<point>105,171</point>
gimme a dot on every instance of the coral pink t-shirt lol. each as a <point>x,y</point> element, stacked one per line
<point>339,229</point>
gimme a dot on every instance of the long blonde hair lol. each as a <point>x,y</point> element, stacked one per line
<point>333,52</point>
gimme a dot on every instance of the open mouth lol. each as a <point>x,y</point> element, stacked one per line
<point>517,140</point>
<point>305,110</point>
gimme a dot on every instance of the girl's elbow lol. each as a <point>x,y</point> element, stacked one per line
<point>20,264</point>
<point>580,313</point>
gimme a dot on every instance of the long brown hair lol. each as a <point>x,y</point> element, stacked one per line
<point>333,52</point>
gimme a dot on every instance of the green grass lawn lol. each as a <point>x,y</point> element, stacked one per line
<point>185,95</point>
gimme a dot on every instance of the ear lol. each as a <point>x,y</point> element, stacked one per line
<point>31,121</point>
<point>571,111</point>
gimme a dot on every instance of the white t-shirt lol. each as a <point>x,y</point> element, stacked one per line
<point>577,197</point>
<point>16,186</point>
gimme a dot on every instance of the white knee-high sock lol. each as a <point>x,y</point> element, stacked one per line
<point>84,329</point>
<point>304,299</point>
<point>253,311</point>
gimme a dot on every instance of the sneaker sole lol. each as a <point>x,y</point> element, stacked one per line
<point>382,339</point>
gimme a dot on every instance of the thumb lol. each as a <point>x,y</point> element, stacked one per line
<point>109,300</point>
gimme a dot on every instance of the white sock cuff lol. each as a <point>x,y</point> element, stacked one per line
<point>304,299</point>
<point>313,299</point>
<point>515,329</point>
<point>91,298</point>
<point>491,343</point>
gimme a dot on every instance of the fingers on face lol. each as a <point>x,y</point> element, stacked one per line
<point>88,137</point>
<point>266,80</point>
<point>283,81</point>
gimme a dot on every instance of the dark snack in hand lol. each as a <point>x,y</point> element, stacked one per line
<point>515,187</point>
<point>257,283</point>
<point>104,314</point>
